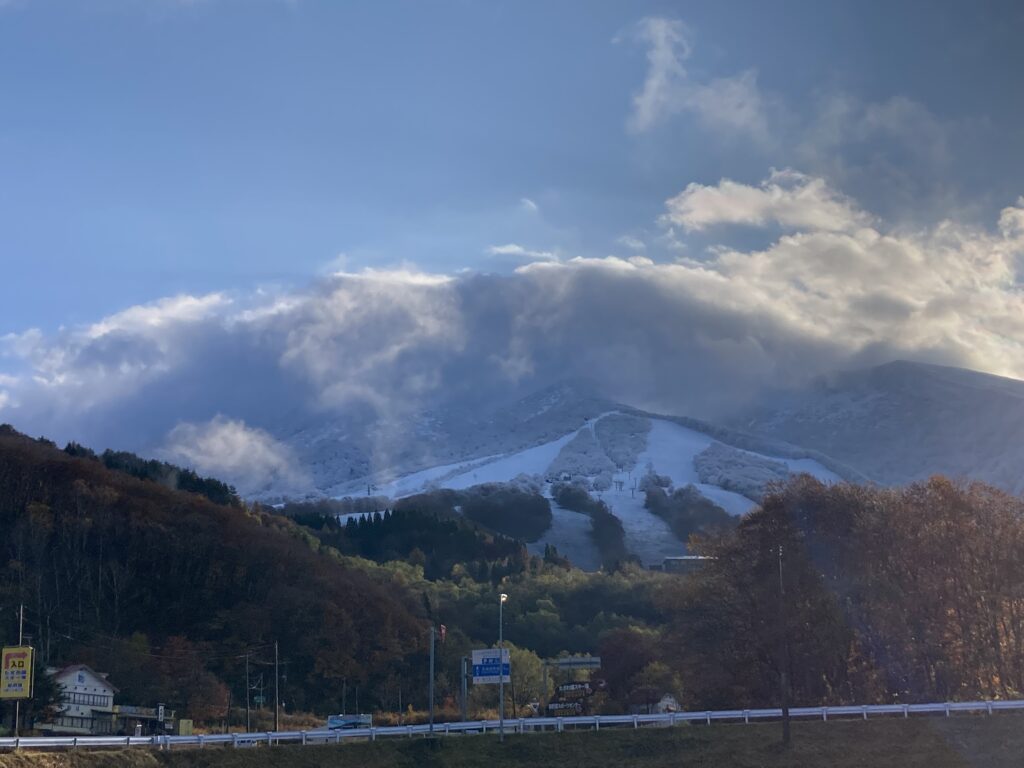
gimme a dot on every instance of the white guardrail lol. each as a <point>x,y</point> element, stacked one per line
<point>512,725</point>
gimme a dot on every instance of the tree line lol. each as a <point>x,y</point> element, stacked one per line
<point>887,595</point>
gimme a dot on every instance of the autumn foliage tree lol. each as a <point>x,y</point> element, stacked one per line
<point>903,595</point>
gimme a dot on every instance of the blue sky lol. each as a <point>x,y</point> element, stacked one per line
<point>222,219</point>
<point>153,147</point>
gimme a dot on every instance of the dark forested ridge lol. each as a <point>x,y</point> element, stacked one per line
<point>442,544</point>
<point>118,571</point>
<point>172,476</point>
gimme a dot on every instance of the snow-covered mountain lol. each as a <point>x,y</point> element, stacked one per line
<point>362,447</point>
<point>563,433</point>
<point>891,424</point>
<point>610,454</point>
<point>904,421</point>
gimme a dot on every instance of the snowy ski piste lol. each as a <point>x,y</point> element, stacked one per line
<point>609,454</point>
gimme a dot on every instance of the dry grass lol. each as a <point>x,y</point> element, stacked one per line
<point>959,742</point>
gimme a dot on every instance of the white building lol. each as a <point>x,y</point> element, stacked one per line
<point>668,703</point>
<point>87,701</point>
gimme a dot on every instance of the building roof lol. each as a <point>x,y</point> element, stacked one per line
<point>84,667</point>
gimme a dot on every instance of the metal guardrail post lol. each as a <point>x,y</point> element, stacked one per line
<point>164,742</point>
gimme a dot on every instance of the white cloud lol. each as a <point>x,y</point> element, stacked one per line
<point>695,336</point>
<point>668,46</point>
<point>528,205</point>
<point>248,458</point>
<point>160,314</point>
<point>81,368</point>
<point>5,396</point>
<point>895,152</point>
<point>841,120</point>
<point>521,252</point>
<point>408,275</point>
<point>731,104</point>
<point>632,242</point>
<point>787,198</point>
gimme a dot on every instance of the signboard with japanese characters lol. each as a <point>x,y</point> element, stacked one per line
<point>16,672</point>
<point>490,666</point>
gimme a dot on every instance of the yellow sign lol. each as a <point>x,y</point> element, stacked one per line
<point>16,673</point>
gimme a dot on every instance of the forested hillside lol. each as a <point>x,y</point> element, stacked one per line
<point>168,592</point>
<point>885,595</point>
<point>913,594</point>
<point>165,590</point>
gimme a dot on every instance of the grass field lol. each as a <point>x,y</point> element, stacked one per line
<point>958,742</point>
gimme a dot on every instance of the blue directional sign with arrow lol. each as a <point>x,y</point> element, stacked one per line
<point>490,665</point>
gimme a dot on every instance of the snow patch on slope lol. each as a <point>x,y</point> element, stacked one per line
<point>611,459</point>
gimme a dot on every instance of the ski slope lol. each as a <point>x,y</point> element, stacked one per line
<point>670,450</point>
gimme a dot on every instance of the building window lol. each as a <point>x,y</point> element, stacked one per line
<point>89,699</point>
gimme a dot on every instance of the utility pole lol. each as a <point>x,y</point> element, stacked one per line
<point>21,639</point>
<point>277,699</point>
<point>501,666</point>
<point>543,687</point>
<point>227,716</point>
<point>430,687</point>
<point>784,662</point>
<point>248,723</point>
<point>465,663</point>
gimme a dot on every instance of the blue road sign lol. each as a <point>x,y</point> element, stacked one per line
<point>490,666</point>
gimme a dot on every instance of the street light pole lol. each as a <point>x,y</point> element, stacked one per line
<point>501,666</point>
<point>431,686</point>
<point>784,661</point>
<point>465,664</point>
<point>248,722</point>
<point>277,698</point>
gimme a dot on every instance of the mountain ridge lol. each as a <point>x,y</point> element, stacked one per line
<point>904,421</point>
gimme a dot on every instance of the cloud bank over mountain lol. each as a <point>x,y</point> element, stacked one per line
<point>833,288</point>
